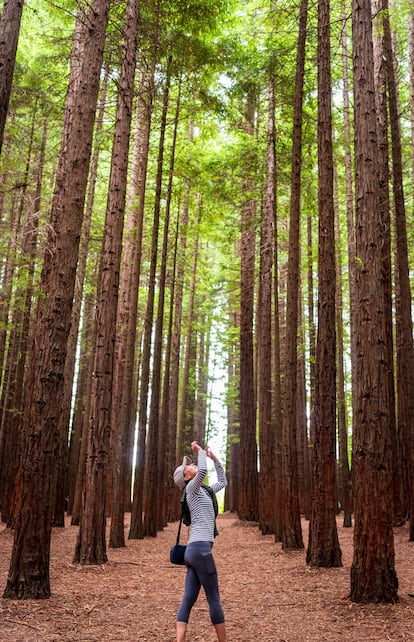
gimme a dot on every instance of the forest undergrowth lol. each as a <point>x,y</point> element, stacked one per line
<point>268,595</point>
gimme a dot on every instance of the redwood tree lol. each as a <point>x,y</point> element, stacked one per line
<point>267,439</point>
<point>91,543</point>
<point>248,483</point>
<point>323,549</point>
<point>29,567</point>
<point>9,35</point>
<point>373,575</point>
<point>291,527</point>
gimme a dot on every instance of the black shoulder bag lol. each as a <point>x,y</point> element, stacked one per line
<point>178,550</point>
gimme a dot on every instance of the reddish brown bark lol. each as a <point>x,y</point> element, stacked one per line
<point>29,567</point>
<point>9,36</point>
<point>373,576</point>
<point>323,546</point>
<point>292,532</point>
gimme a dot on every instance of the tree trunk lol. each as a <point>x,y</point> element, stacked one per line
<point>79,429</point>
<point>267,442</point>
<point>248,488</point>
<point>169,432</point>
<point>154,478</point>
<point>292,533</point>
<point>91,542</point>
<point>233,443</point>
<point>312,349</point>
<point>172,411</point>
<point>15,369</point>
<point>62,489</point>
<point>124,402</point>
<point>137,526</point>
<point>373,576</point>
<point>186,405</point>
<point>403,299</point>
<point>323,547</point>
<point>350,219</point>
<point>380,81</point>
<point>29,568</point>
<point>277,383</point>
<point>304,472</point>
<point>344,476</point>
<point>9,36</point>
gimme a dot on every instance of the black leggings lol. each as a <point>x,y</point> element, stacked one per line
<point>201,572</point>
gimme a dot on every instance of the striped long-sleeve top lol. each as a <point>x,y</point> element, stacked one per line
<point>199,501</point>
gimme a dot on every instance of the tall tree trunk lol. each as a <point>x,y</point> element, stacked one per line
<point>154,478</point>
<point>373,576</point>
<point>83,405</point>
<point>344,477</point>
<point>29,568</point>
<point>78,440</point>
<point>277,383</point>
<point>70,363</point>
<point>304,472</point>
<point>130,284</point>
<point>411,74</point>
<point>91,542</point>
<point>233,441</point>
<point>124,402</point>
<point>403,298</point>
<point>169,432</point>
<point>267,441</point>
<point>9,36</point>
<point>350,219</point>
<point>248,488</point>
<point>404,250</point>
<point>200,410</point>
<point>292,533</point>
<point>122,408</point>
<point>186,412</point>
<point>172,411</point>
<point>380,81</point>
<point>312,347</point>
<point>13,387</point>
<point>137,525</point>
<point>323,546</point>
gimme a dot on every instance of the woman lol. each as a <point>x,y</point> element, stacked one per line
<point>201,567</point>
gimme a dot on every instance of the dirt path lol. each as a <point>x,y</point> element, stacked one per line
<point>268,595</point>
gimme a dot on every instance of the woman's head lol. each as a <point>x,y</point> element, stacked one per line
<point>183,473</point>
<point>190,471</point>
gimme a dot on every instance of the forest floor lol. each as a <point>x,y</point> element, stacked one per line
<point>267,595</point>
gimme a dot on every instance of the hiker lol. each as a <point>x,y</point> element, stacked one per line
<point>201,567</point>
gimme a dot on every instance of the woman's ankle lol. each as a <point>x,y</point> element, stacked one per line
<point>221,632</point>
<point>181,629</point>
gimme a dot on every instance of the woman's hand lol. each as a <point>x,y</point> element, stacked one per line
<point>210,454</point>
<point>195,446</point>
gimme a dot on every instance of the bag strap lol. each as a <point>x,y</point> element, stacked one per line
<point>179,527</point>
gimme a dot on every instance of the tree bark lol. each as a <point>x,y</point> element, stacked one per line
<point>267,441</point>
<point>12,405</point>
<point>137,529</point>
<point>373,576</point>
<point>292,533</point>
<point>380,81</point>
<point>9,38</point>
<point>155,477</point>
<point>248,488</point>
<point>62,485</point>
<point>323,547</point>
<point>91,542</point>
<point>29,568</point>
<point>403,297</point>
